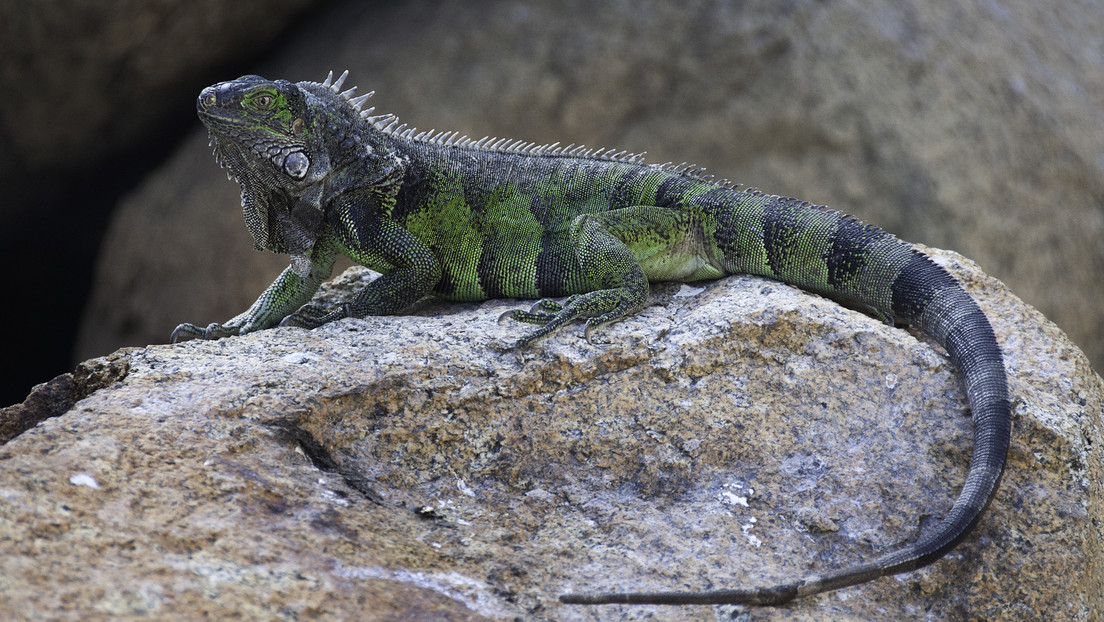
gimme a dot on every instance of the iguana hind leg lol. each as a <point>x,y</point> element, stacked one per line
<point>618,283</point>
<point>620,251</point>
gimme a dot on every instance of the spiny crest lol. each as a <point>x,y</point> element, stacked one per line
<point>356,102</point>
<point>389,124</point>
<point>698,173</point>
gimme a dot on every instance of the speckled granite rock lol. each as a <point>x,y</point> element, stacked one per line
<point>415,468</point>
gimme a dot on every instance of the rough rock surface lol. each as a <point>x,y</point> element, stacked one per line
<point>735,432</point>
<point>60,394</point>
<point>972,127</point>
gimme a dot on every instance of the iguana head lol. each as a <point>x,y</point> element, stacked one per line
<point>259,124</point>
<point>293,147</point>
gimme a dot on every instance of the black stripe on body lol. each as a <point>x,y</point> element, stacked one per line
<point>558,271</point>
<point>628,190</point>
<point>490,262</point>
<point>670,192</point>
<point>849,253</point>
<point>728,234</point>
<point>784,222</point>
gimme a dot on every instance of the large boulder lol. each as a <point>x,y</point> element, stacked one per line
<point>415,467</point>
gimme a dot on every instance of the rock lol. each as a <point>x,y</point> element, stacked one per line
<point>967,127</point>
<point>60,394</point>
<point>414,467</point>
<point>98,79</point>
<point>97,95</point>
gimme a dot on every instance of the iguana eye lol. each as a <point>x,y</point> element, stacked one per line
<point>264,102</point>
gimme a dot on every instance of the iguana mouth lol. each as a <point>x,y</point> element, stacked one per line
<point>225,127</point>
<point>212,109</point>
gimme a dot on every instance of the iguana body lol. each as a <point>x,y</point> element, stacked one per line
<point>473,220</point>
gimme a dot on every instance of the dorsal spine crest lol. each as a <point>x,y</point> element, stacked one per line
<point>389,124</point>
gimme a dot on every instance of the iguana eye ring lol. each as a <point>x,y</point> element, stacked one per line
<point>264,102</point>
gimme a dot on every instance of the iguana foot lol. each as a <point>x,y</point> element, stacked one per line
<point>599,307</point>
<point>541,313</point>
<point>186,332</point>
<point>549,313</point>
<point>313,315</point>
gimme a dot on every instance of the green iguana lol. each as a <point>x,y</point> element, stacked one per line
<point>466,219</point>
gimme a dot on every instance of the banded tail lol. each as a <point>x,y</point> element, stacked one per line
<point>876,270</point>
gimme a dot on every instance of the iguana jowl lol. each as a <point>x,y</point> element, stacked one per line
<point>477,219</point>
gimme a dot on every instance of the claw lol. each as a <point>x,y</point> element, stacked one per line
<point>589,334</point>
<point>546,307</point>
<point>312,316</point>
<point>297,320</point>
<point>185,332</point>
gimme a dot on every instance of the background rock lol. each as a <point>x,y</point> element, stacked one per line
<point>412,468</point>
<point>970,127</point>
<point>95,77</point>
<point>96,93</point>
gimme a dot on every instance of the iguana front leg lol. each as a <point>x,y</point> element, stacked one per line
<point>409,268</point>
<point>286,294</point>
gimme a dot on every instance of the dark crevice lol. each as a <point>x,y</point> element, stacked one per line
<point>323,461</point>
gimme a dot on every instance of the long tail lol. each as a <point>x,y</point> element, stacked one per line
<point>926,296</point>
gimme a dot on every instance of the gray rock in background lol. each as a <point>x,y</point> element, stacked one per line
<point>968,127</point>
<point>95,94</point>
<point>87,80</point>
<point>407,468</point>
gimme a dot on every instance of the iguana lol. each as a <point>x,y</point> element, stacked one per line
<point>462,219</point>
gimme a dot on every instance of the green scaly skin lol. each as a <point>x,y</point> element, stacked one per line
<point>474,220</point>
